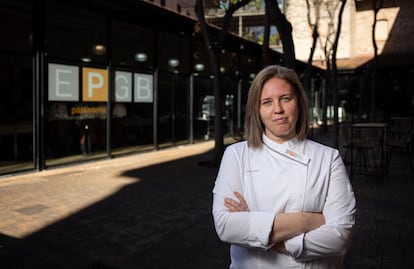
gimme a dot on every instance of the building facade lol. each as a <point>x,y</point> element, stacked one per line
<point>369,88</point>
<point>90,80</point>
<point>363,92</point>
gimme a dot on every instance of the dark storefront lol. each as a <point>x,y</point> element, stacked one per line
<point>96,80</point>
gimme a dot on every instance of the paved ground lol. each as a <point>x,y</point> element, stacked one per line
<point>153,210</point>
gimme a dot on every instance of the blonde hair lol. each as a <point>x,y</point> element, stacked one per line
<point>253,126</point>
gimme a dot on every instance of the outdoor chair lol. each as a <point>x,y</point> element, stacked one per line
<point>400,141</point>
<point>366,150</point>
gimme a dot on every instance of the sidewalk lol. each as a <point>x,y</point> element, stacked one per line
<point>384,231</point>
<point>153,210</point>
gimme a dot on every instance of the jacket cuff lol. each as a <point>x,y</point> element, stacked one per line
<point>294,245</point>
<point>261,225</point>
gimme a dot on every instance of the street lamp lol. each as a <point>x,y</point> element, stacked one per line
<point>173,63</point>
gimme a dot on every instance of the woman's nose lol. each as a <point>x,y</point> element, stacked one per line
<point>278,108</point>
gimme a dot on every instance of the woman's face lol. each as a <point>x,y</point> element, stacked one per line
<point>279,110</point>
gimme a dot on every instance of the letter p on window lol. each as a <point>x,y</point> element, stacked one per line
<point>94,85</point>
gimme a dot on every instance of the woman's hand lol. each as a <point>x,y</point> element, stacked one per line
<point>285,225</point>
<point>280,247</point>
<point>236,206</point>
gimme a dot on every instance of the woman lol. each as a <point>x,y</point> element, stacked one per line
<point>281,200</point>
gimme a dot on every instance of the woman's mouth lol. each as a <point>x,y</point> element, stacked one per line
<point>280,120</point>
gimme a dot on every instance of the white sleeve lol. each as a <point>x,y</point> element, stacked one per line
<point>242,228</point>
<point>332,238</point>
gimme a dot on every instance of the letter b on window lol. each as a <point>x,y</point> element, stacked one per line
<point>143,88</point>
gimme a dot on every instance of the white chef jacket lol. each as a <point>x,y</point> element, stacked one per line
<point>295,176</point>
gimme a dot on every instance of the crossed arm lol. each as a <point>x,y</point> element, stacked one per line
<point>285,225</point>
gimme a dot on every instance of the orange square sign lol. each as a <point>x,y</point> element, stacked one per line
<point>94,84</point>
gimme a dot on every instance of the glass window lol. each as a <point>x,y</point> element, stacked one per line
<point>75,34</point>
<point>16,89</point>
<point>173,52</point>
<point>132,46</point>
<point>203,107</point>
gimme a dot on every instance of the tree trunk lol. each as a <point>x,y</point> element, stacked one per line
<point>334,77</point>
<point>285,31</point>
<point>266,38</point>
<point>214,49</point>
<point>376,6</point>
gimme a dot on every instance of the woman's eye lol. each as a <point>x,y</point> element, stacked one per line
<point>286,98</point>
<point>266,103</point>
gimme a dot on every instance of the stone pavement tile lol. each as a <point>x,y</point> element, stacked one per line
<point>165,213</point>
<point>383,234</point>
<point>154,211</point>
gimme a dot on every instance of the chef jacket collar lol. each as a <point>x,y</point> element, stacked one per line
<point>287,149</point>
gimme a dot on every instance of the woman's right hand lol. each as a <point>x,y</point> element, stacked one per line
<point>236,206</point>
<point>280,247</point>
